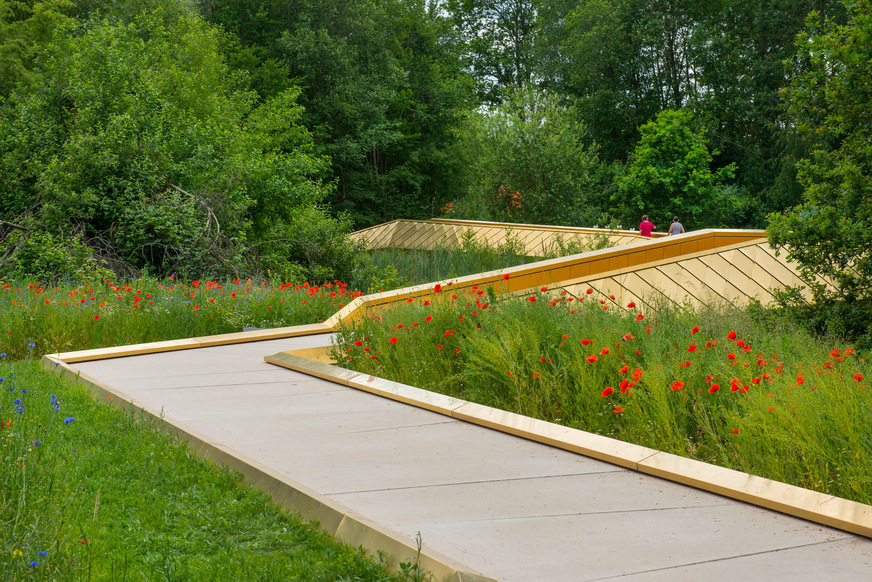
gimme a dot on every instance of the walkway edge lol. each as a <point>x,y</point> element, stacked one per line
<point>821,508</point>
<point>332,517</point>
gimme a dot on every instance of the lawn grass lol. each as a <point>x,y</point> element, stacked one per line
<point>717,385</point>
<point>89,492</point>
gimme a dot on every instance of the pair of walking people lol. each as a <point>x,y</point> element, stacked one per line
<point>646,226</point>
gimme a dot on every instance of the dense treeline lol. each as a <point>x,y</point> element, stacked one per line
<point>231,135</point>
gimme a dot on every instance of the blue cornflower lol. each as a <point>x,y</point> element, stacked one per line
<point>68,420</point>
<point>43,553</point>
<point>31,345</point>
<point>16,401</point>
<point>3,355</point>
<point>37,442</point>
<point>33,564</point>
<point>52,396</point>
<point>24,390</point>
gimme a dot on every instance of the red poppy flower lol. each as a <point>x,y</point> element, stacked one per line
<point>835,354</point>
<point>640,317</point>
<point>532,299</point>
<point>731,336</point>
<point>735,431</point>
<point>604,352</point>
<point>755,381</point>
<point>849,352</point>
<point>393,340</point>
<point>428,318</point>
<point>618,409</point>
<point>684,365</point>
<point>624,385</point>
<point>677,386</point>
<point>592,359</point>
<point>195,283</point>
<point>766,376</point>
<point>731,356</point>
<point>858,377</point>
<point>536,375</point>
<point>691,348</point>
<point>740,343</point>
<point>800,380</point>
<point>98,317</point>
<point>437,288</point>
<point>358,343</point>
<point>589,291</point>
<point>505,277</point>
<point>694,331</point>
<point>714,388</point>
<point>367,348</point>
<point>510,372</point>
<point>426,303</point>
<point>586,342</point>
<point>631,305</point>
<point>607,392</point>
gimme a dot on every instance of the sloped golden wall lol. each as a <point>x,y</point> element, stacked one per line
<point>537,240</point>
<point>699,267</point>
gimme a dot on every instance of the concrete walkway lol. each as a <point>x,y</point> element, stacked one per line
<point>511,509</point>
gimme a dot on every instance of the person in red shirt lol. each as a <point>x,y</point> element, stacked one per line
<point>645,227</point>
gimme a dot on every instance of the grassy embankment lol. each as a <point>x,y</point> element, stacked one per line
<point>720,385</point>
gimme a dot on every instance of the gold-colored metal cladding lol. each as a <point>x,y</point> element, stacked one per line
<point>537,241</point>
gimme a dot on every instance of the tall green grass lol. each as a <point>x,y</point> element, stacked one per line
<point>714,385</point>
<point>37,319</point>
<point>402,268</point>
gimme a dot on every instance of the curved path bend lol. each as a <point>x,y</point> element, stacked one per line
<point>507,508</point>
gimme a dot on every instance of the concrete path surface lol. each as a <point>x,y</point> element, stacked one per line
<point>511,509</point>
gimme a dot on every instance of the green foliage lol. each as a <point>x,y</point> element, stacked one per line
<point>499,42</point>
<point>55,257</point>
<point>830,233</point>
<point>24,27</point>
<point>382,89</point>
<point>670,174</point>
<point>140,140</point>
<point>528,161</point>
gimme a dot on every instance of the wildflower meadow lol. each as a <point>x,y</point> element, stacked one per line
<point>90,492</point>
<point>716,385</point>
<point>37,318</point>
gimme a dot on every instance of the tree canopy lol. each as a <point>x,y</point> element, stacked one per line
<point>830,232</point>
<point>227,135</point>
